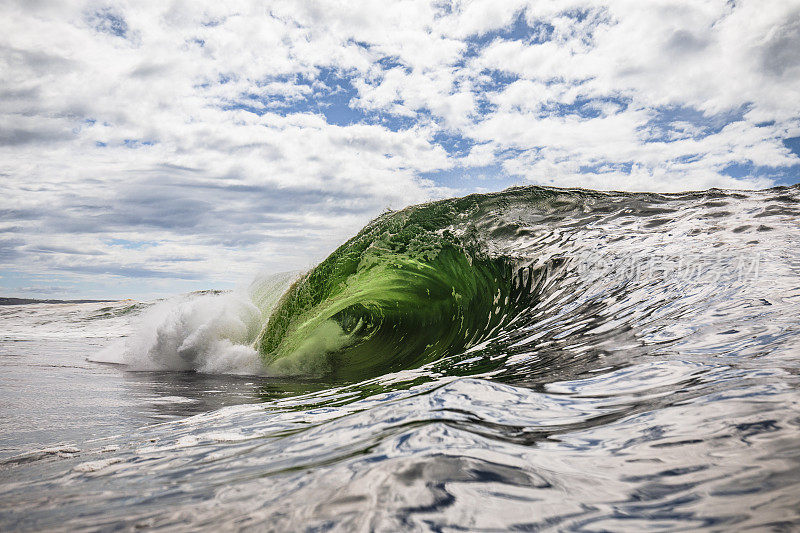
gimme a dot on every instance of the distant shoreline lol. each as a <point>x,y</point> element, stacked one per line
<point>25,301</point>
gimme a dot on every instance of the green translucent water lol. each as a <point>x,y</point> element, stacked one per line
<point>410,288</point>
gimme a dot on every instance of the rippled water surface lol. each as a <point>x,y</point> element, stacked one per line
<point>533,359</point>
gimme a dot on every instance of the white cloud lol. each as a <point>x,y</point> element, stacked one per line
<point>185,139</point>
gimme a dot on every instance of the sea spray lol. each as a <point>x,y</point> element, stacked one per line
<point>208,331</point>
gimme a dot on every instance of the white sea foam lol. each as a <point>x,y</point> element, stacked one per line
<point>209,333</point>
<point>204,332</point>
<point>94,466</point>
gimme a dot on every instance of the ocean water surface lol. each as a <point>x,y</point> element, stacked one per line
<point>532,359</point>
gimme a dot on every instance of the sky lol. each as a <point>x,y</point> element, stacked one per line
<point>149,148</point>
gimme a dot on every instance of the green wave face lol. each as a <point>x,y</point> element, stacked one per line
<point>405,291</point>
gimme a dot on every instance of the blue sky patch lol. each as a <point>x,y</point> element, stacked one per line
<point>793,144</point>
<point>109,21</point>
<point>676,122</point>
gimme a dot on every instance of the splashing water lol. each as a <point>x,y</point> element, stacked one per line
<point>536,358</point>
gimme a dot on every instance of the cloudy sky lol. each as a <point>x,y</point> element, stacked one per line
<point>154,147</point>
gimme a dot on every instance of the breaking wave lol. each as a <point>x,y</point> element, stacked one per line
<point>496,273</point>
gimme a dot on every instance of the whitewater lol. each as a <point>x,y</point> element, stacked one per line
<point>537,358</point>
